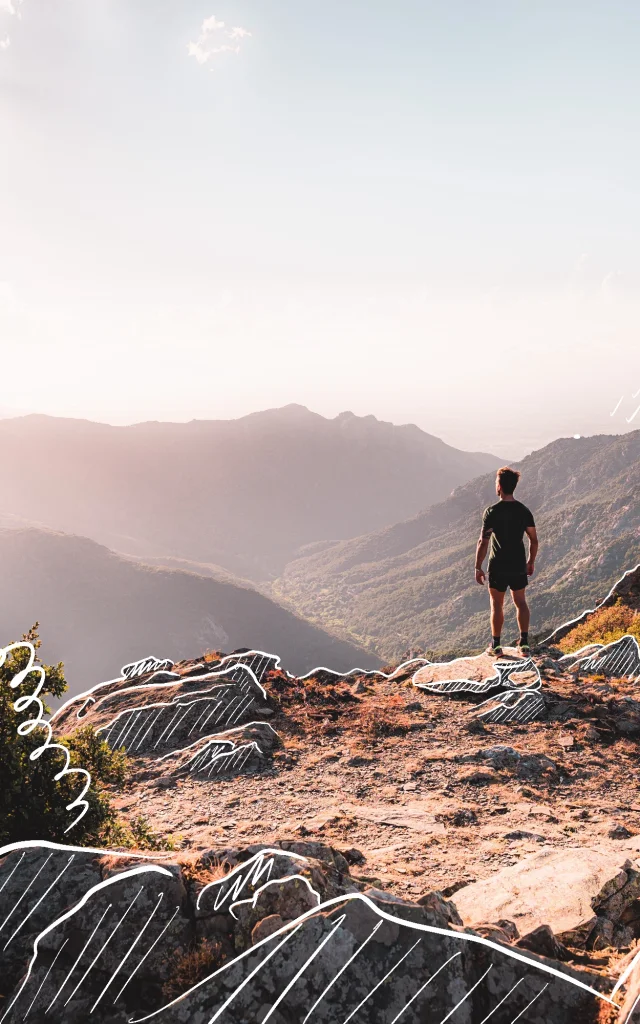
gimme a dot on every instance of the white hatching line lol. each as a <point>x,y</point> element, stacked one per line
<point>342,970</point>
<point>530,1003</point>
<point>142,686</point>
<point>143,738</point>
<point>465,996</point>
<point>14,869</point>
<point>381,982</point>
<point>79,957</point>
<point>251,975</point>
<point>233,883</point>
<point>145,719</point>
<point>36,905</point>
<point>636,393</point>
<point>274,881</point>
<point>161,736</point>
<point>633,415</point>
<point>133,718</point>
<point>227,710</point>
<point>619,403</point>
<point>25,891</point>
<point>503,1000</point>
<point>630,1013</point>
<point>41,985</point>
<point>130,950</point>
<point>200,717</point>
<point>215,738</point>
<point>302,969</point>
<point>446,933</point>
<point>244,706</point>
<point>189,706</point>
<point>625,974</point>
<point>151,947</point>
<point>422,988</point>
<point>211,712</point>
<point>106,943</point>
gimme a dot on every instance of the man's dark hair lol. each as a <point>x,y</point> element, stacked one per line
<point>508,479</point>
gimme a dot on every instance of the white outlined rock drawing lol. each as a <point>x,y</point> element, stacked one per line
<point>478,674</point>
<point>144,665</point>
<point>353,956</point>
<point>619,659</point>
<point>521,706</point>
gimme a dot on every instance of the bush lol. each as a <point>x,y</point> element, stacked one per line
<point>33,805</point>
<point>194,965</point>
<point>603,627</point>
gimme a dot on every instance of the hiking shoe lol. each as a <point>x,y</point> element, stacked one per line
<point>524,649</point>
<point>494,652</point>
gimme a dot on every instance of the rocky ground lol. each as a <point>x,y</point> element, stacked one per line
<point>430,797</point>
<point>401,789</point>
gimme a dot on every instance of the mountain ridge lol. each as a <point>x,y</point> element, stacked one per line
<point>97,609</point>
<point>245,494</point>
<point>412,583</point>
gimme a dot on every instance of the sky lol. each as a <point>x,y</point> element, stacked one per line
<point>423,210</point>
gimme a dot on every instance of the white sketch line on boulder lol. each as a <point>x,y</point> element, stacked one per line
<point>274,881</point>
<point>100,886</point>
<point>463,937</point>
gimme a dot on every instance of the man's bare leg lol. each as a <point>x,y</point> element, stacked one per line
<point>522,610</point>
<point>497,611</point>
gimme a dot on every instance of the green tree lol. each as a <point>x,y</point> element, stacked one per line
<point>34,804</point>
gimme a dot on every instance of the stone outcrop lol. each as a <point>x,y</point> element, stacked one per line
<point>588,897</point>
<point>285,932</point>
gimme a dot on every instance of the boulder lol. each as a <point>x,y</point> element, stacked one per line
<point>574,891</point>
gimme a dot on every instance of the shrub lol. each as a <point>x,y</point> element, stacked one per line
<point>192,966</point>
<point>33,805</point>
<point>603,627</point>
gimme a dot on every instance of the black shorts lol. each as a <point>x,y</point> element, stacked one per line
<point>514,581</point>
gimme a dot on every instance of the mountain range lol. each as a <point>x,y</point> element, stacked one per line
<point>99,610</point>
<point>412,584</point>
<point>245,495</point>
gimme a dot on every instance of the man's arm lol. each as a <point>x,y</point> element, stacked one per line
<point>533,549</point>
<point>481,551</point>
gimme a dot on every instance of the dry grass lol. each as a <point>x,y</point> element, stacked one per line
<point>195,869</point>
<point>603,627</point>
<point>377,718</point>
<point>192,966</point>
<point>210,656</point>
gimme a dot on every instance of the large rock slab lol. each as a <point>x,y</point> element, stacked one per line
<point>377,961</point>
<point>581,893</point>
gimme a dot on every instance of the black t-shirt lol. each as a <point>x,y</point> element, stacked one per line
<point>505,522</point>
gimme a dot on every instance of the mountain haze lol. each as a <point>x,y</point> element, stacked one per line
<point>412,584</point>
<point>98,611</point>
<point>243,494</point>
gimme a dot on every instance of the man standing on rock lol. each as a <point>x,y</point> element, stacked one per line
<point>505,524</point>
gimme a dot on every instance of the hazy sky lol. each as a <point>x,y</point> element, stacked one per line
<point>426,211</point>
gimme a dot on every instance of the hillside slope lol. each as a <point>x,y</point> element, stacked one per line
<point>245,494</point>
<point>412,584</point>
<point>99,611</point>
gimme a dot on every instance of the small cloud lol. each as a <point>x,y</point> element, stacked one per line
<point>10,7</point>
<point>5,43</point>
<point>214,38</point>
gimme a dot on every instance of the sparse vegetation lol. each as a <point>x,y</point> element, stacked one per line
<point>192,966</point>
<point>33,804</point>
<point>603,627</point>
